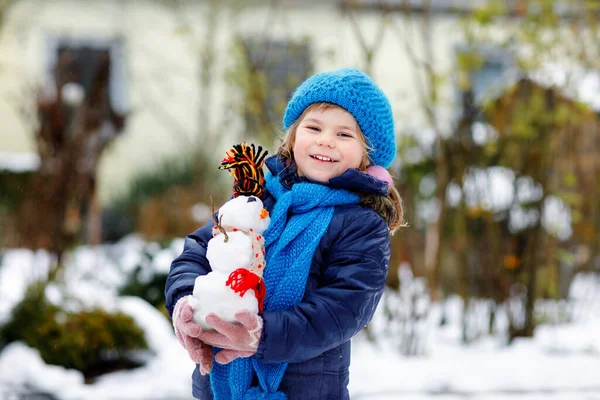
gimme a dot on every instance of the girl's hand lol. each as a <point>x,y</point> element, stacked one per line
<point>237,339</point>
<point>188,332</point>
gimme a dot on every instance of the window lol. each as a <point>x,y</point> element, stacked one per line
<point>274,68</point>
<point>83,58</point>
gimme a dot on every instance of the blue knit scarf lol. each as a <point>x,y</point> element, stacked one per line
<point>290,246</point>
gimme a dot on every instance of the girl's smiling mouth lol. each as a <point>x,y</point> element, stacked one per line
<point>319,157</point>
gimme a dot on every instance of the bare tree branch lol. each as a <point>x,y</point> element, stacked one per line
<point>164,117</point>
<point>425,86</point>
<point>369,51</point>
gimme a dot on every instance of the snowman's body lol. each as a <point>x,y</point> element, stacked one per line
<point>244,219</point>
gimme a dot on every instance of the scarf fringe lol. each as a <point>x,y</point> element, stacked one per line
<point>256,393</point>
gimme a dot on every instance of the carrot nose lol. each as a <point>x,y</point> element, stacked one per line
<point>264,213</point>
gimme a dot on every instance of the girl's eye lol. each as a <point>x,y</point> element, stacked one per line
<point>344,134</point>
<point>314,128</point>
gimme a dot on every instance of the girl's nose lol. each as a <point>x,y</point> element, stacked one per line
<point>325,139</point>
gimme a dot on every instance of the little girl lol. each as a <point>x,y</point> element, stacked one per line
<point>332,206</point>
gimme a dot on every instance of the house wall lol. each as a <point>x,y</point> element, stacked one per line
<point>162,50</point>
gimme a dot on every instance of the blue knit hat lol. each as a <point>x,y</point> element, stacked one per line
<point>356,92</point>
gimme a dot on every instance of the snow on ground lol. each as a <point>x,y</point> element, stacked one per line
<point>561,362</point>
<point>478,370</point>
<point>19,162</point>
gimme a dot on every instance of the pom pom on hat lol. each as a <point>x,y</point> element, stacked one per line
<point>355,92</point>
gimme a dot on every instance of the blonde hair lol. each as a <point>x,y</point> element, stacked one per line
<point>390,207</point>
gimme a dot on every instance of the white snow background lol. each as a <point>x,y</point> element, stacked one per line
<point>561,362</point>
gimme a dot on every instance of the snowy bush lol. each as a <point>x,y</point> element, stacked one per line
<point>480,319</point>
<point>93,341</point>
<point>145,282</point>
<point>148,271</point>
<point>584,295</point>
<point>407,311</point>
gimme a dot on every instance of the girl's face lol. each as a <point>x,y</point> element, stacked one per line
<point>327,143</point>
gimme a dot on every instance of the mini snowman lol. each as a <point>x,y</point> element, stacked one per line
<point>236,251</point>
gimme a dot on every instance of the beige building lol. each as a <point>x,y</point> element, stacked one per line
<point>157,49</point>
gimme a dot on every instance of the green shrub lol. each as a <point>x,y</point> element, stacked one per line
<point>151,290</point>
<point>93,342</point>
<point>12,186</point>
<point>170,185</point>
<point>117,222</point>
<point>145,282</point>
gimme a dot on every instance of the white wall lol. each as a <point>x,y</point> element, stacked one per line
<point>163,69</point>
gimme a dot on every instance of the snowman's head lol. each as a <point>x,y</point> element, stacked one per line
<point>245,213</point>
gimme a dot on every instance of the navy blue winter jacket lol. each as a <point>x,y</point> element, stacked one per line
<point>345,284</point>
